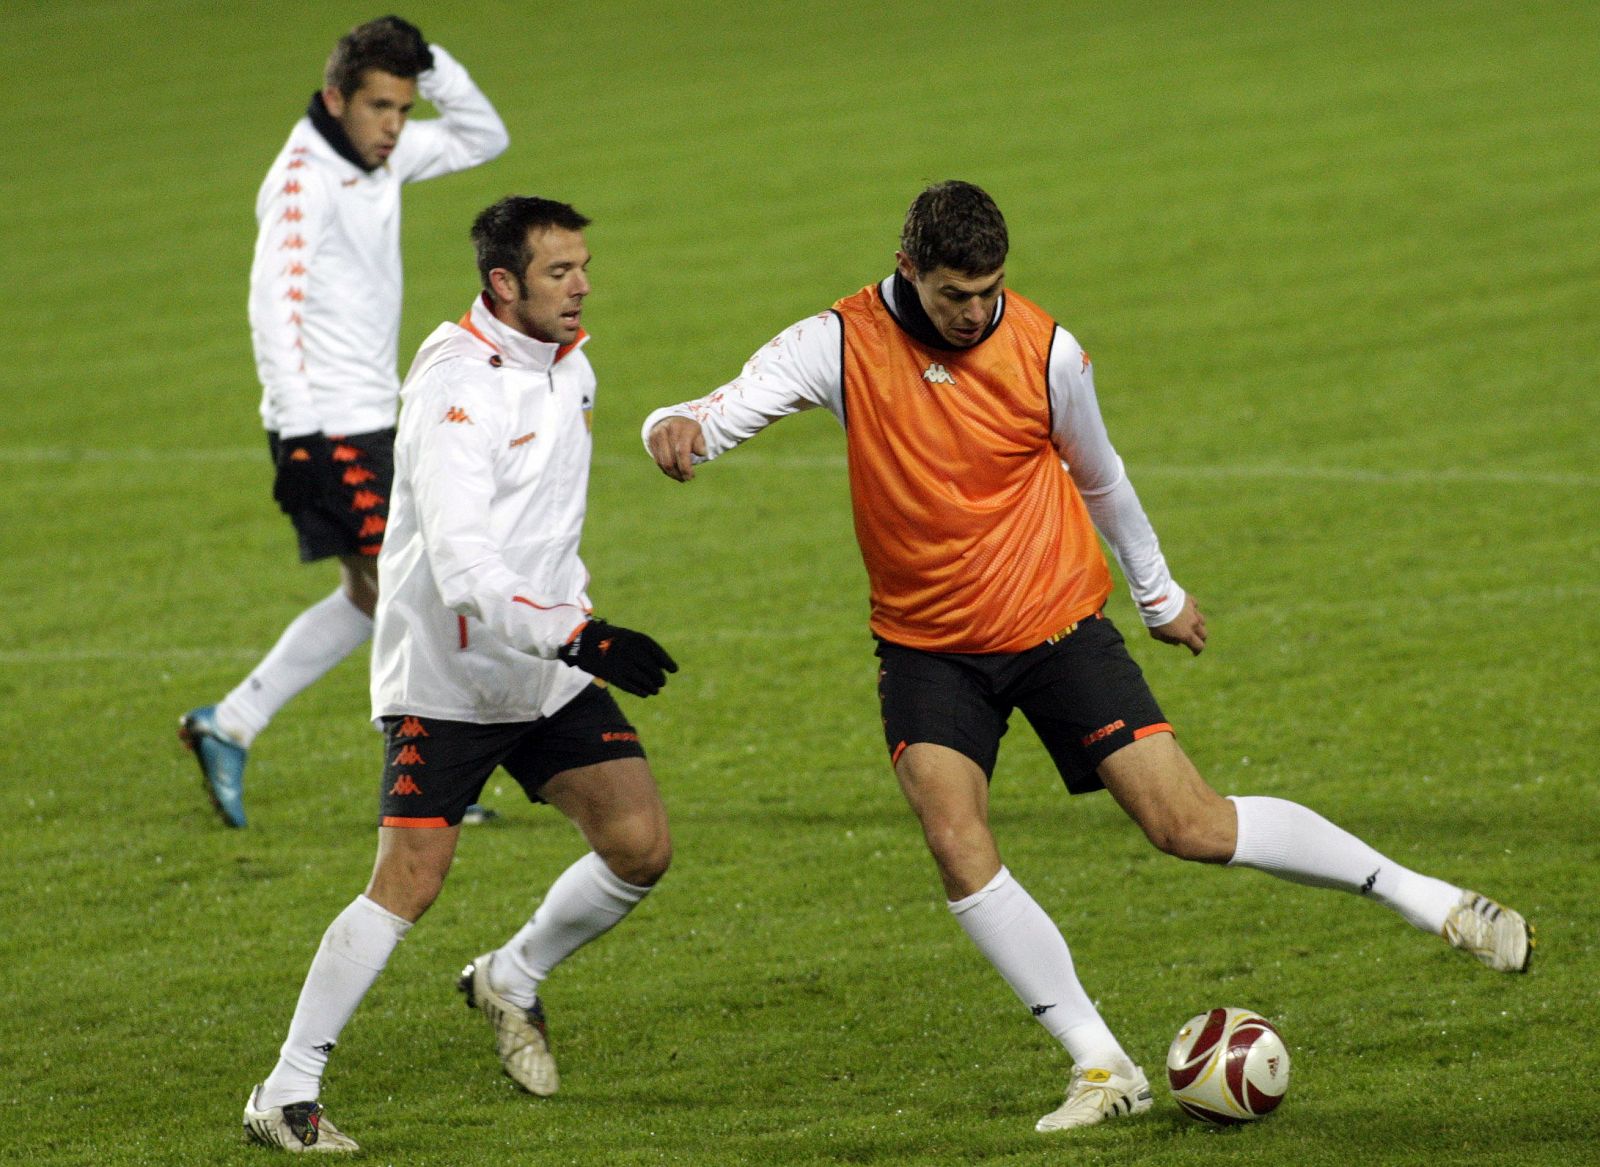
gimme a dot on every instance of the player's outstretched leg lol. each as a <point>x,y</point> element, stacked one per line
<point>299,1126</point>
<point>221,761</point>
<point>521,1037</point>
<point>1094,1095</point>
<point>1295,843</point>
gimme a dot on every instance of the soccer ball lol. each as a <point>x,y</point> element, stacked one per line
<point>1228,1066</point>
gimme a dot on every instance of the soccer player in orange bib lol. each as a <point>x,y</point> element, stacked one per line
<point>980,476</point>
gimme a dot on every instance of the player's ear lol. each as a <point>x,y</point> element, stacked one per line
<point>333,99</point>
<point>505,285</point>
<point>904,266</point>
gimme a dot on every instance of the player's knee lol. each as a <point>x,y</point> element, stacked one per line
<point>408,890</point>
<point>965,855</point>
<point>640,857</point>
<point>651,865</point>
<point>948,840</point>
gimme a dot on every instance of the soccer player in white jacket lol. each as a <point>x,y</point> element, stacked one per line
<point>486,655</point>
<point>325,296</point>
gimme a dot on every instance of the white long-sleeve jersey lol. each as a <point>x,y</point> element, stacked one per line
<point>325,285</point>
<point>803,368</point>
<point>482,582</point>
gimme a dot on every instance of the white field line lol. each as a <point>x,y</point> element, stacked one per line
<point>761,459</point>
<point>147,656</point>
<point>21,455</point>
<point>1497,600</point>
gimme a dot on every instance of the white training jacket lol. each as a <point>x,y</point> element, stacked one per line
<point>481,579</point>
<point>803,368</point>
<point>325,282</point>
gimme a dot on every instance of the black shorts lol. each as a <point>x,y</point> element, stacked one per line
<point>1082,693</point>
<point>434,769</point>
<point>352,510</point>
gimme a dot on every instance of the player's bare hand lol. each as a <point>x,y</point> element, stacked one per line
<point>674,442</point>
<point>1188,628</point>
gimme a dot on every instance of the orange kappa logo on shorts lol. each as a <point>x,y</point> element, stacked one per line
<point>405,785</point>
<point>1105,731</point>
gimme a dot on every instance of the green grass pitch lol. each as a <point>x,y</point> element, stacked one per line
<point>1337,266</point>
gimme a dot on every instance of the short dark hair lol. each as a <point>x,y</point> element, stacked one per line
<point>500,233</point>
<point>388,43</point>
<point>955,225</point>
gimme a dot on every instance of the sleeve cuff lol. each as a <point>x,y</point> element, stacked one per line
<point>1162,609</point>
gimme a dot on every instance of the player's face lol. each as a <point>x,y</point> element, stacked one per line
<point>959,305</point>
<point>549,304</point>
<point>374,115</point>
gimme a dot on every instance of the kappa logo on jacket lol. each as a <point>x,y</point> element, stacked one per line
<point>456,414</point>
<point>937,374</point>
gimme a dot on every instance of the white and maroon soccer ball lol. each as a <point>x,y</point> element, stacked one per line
<point>1228,1066</point>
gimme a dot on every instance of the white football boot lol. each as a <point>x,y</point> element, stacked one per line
<point>299,1127</point>
<point>1095,1095</point>
<point>520,1036</point>
<point>1496,935</point>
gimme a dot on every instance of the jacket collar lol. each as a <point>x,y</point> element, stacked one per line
<point>511,348</point>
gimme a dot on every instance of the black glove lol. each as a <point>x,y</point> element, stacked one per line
<point>619,656</point>
<point>304,464</point>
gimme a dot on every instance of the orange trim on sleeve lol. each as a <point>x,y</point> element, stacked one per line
<point>1149,730</point>
<point>390,820</point>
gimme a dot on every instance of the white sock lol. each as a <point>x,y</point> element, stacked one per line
<point>316,640</point>
<point>1024,944</point>
<point>1287,840</point>
<point>353,952</point>
<point>584,902</point>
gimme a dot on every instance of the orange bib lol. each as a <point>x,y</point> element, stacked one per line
<point>974,536</point>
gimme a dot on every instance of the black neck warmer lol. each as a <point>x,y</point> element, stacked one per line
<point>908,314</point>
<point>333,133</point>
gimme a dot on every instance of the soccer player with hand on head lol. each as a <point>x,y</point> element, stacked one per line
<point>487,655</point>
<point>325,296</point>
<point>980,474</point>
